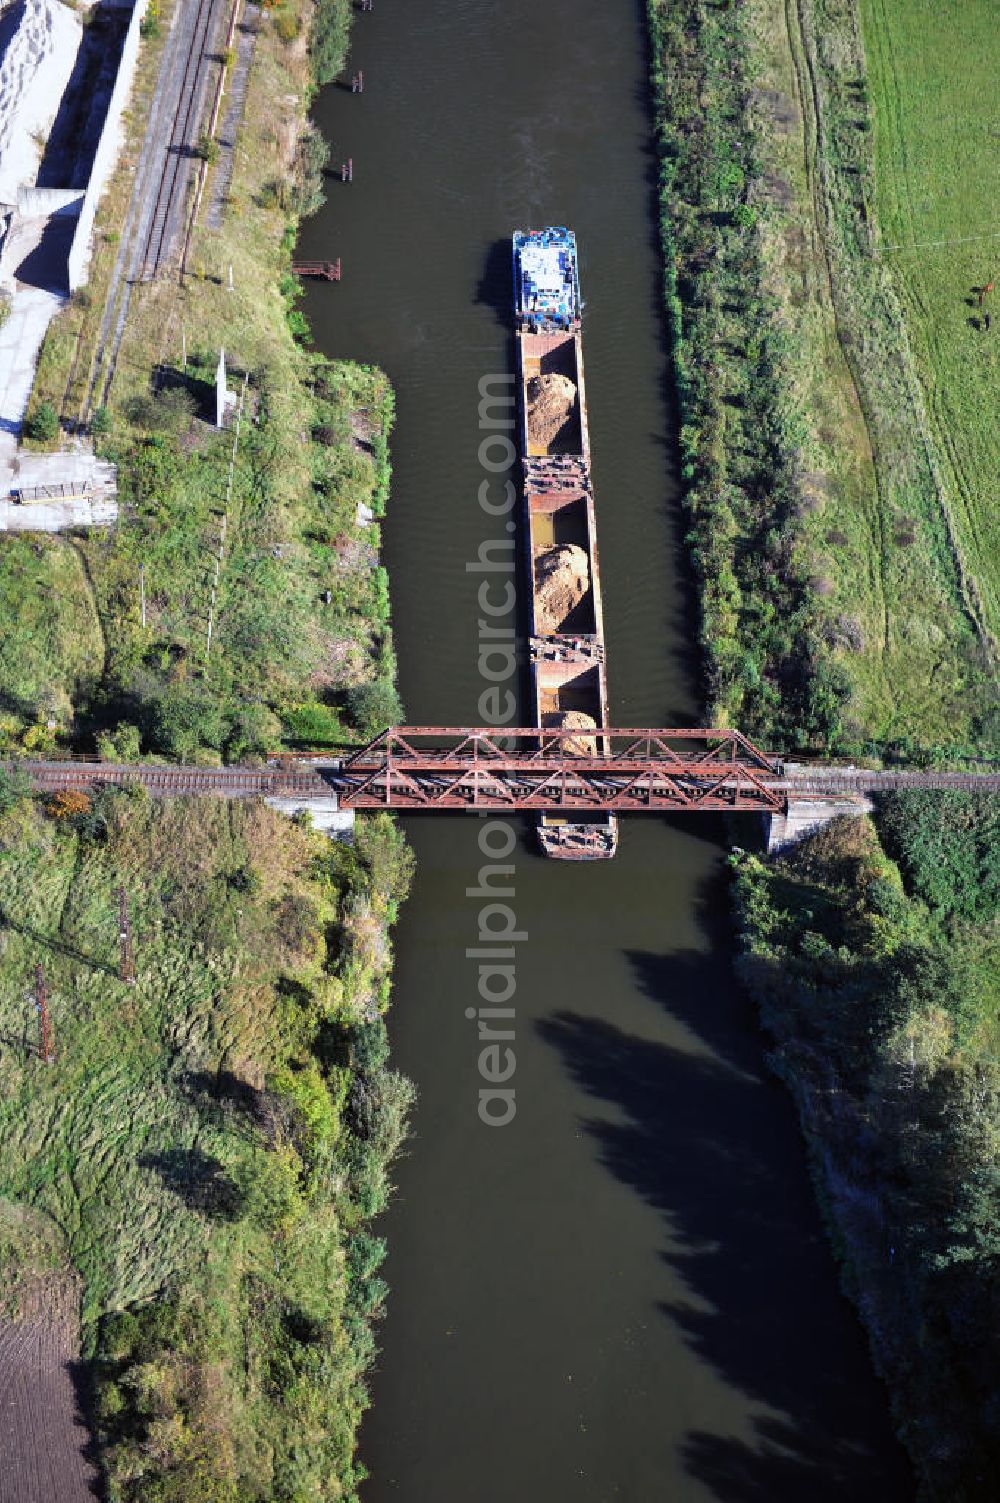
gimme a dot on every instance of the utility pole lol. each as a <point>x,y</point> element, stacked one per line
<point>46,1045</point>
<point>126,968</point>
<point>142,593</point>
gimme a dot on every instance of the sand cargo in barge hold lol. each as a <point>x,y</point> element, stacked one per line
<point>568,679</point>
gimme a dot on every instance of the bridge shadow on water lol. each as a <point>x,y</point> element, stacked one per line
<point>710,1140</point>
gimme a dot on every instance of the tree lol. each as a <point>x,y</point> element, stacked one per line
<point>255,732</point>
<point>382,847</point>
<point>119,745</point>
<point>43,424</point>
<point>183,718</point>
<point>374,706</point>
<point>369,1046</point>
<point>69,804</point>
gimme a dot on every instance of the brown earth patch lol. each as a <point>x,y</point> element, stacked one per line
<point>43,1440</point>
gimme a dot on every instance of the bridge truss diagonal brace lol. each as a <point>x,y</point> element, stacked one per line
<point>574,786</point>
<point>723,745</point>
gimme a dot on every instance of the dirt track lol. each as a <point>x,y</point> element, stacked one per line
<point>42,1440</point>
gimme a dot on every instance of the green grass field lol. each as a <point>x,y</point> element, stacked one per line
<point>932,77</point>
<point>872,531</point>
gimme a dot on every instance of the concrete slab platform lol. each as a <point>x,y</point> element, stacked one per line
<point>326,814</point>
<point>55,516</point>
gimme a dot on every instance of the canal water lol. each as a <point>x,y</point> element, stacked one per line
<point>626,1292</point>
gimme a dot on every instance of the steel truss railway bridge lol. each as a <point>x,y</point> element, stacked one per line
<point>524,770</point>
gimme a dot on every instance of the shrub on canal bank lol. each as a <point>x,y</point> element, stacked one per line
<point>331,30</point>
<point>740,434</point>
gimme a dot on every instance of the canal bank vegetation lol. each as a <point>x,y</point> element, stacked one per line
<point>837,447</point>
<point>211,1142</point>
<point>203,1158</point>
<point>873,950</point>
<point>223,616</point>
<point>838,609</point>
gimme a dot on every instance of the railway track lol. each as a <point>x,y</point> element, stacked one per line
<point>236,94</point>
<point>232,782</point>
<point>160,184</point>
<point>398,774</point>
<point>841,780</point>
<point>183,139</point>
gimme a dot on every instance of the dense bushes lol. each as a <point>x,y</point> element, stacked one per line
<point>948,846</point>
<point>213,616</point>
<point>170,411</point>
<point>330,35</point>
<point>311,158</point>
<point>884,1014</point>
<point>301,611</point>
<point>14,786</point>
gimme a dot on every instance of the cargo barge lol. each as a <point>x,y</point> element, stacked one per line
<point>567,667</point>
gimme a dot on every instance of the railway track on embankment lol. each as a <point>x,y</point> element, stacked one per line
<point>170,780</point>
<point>451,769</point>
<point>808,781</point>
<point>155,213</point>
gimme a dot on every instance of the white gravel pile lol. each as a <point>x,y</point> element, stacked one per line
<point>34,72</point>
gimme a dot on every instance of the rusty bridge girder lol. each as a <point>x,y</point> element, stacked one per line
<point>523,769</point>
<point>530,770</point>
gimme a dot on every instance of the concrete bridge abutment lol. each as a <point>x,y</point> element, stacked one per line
<point>807,815</point>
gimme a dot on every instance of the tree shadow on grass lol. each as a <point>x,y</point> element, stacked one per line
<point>199,1180</point>
<point>707,1138</point>
<point>228,1100</point>
<point>201,392</point>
